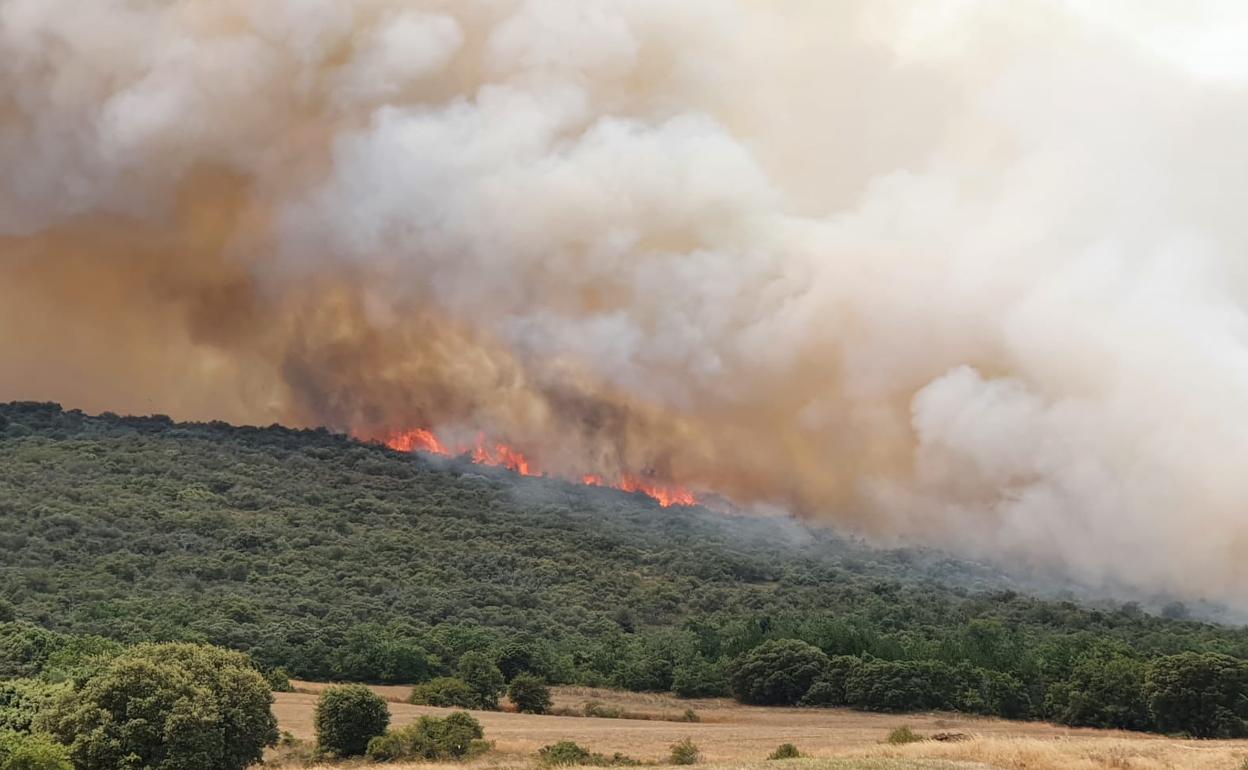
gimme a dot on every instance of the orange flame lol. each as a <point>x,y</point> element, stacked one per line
<point>501,455</point>
<point>667,494</point>
<point>417,440</point>
<point>504,456</point>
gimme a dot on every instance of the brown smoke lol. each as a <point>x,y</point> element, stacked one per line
<point>965,276</point>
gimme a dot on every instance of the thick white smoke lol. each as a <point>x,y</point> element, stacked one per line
<point>971,273</point>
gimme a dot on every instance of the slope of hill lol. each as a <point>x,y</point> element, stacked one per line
<point>342,560</point>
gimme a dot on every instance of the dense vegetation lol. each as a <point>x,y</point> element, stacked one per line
<point>339,560</point>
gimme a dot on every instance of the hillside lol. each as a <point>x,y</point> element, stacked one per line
<point>340,560</point>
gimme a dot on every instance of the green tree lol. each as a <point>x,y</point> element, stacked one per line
<point>700,678</point>
<point>1202,694</point>
<point>22,700</point>
<point>485,679</point>
<point>829,689</point>
<point>897,685</point>
<point>347,718</point>
<point>777,672</point>
<point>167,707</point>
<point>529,694</point>
<point>20,751</point>
<point>445,692</point>
<point>516,658</point>
<point>1104,690</point>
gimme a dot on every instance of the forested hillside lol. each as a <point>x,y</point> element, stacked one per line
<point>340,560</point>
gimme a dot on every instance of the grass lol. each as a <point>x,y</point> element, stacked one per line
<point>735,737</point>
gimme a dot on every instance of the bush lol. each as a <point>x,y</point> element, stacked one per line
<point>593,708</point>
<point>785,751</point>
<point>777,672</point>
<point>167,707</point>
<point>444,692</point>
<point>529,694</point>
<point>347,718</point>
<point>685,752</point>
<point>569,753</point>
<point>903,735</point>
<point>457,736</point>
<point>564,753</point>
<point>485,679</point>
<point>279,680</point>
<point>1201,694</point>
<point>32,752</point>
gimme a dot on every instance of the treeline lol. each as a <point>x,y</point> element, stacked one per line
<point>1204,695</point>
<point>340,561</point>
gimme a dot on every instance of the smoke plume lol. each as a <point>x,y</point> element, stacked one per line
<point>972,274</point>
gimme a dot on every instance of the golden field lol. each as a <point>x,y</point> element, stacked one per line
<point>736,737</point>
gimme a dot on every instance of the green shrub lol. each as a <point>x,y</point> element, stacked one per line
<point>777,672</point>
<point>279,680</point>
<point>593,708</point>
<point>785,751</point>
<point>564,753</point>
<point>480,673</point>
<point>444,692</point>
<point>685,752</point>
<point>32,752</point>
<point>347,718</point>
<point>569,753</point>
<point>529,694</point>
<point>167,707</point>
<point>457,736</point>
<point>690,716</point>
<point>903,735</point>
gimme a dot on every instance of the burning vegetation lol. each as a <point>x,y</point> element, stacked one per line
<point>498,454</point>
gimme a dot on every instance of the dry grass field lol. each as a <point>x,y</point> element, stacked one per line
<point>735,737</point>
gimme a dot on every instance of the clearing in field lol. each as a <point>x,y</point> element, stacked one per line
<point>736,737</point>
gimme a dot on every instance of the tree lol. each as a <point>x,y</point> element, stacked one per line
<point>485,679</point>
<point>1202,694</point>
<point>21,701</point>
<point>445,692</point>
<point>1104,690</point>
<point>347,718</point>
<point>529,694</point>
<point>700,678</point>
<point>777,672</point>
<point>32,752</point>
<point>896,685</point>
<point>515,658</point>
<point>829,689</point>
<point>167,707</point>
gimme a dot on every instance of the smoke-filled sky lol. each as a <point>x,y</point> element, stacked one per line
<point>973,273</point>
